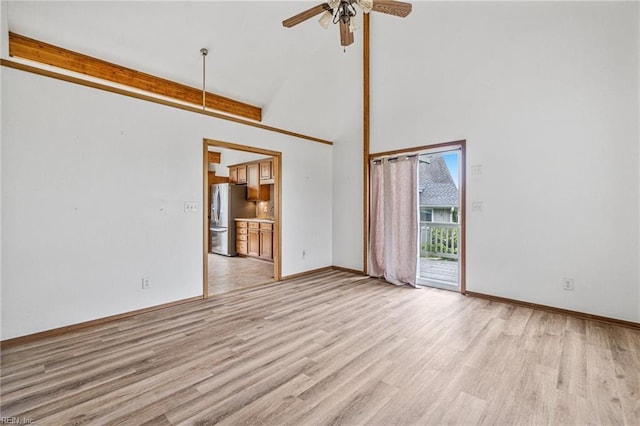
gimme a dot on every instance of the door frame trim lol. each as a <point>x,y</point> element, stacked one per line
<point>277,206</point>
<point>462,214</point>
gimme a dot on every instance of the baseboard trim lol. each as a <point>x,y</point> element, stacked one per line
<point>324,269</point>
<point>29,338</point>
<point>581,315</point>
<point>343,269</point>
<point>306,273</point>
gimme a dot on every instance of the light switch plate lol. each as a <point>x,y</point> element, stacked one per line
<point>191,207</point>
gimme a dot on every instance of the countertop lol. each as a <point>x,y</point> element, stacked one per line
<point>254,219</point>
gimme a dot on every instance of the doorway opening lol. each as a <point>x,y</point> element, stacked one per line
<point>439,195</point>
<point>241,224</point>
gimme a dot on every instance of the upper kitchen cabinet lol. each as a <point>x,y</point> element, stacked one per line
<point>256,191</point>
<point>238,174</point>
<point>266,172</point>
<point>259,175</point>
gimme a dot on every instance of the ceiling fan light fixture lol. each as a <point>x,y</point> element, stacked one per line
<point>344,12</point>
<point>365,5</point>
<point>326,19</point>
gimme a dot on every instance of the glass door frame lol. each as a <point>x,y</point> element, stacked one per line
<point>443,284</point>
<point>446,146</point>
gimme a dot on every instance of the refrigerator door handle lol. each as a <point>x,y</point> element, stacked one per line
<point>218,201</point>
<point>215,204</point>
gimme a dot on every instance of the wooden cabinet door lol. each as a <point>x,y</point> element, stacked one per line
<point>242,174</point>
<point>233,174</point>
<point>266,244</point>
<point>266,172</point>
<point>255,191</point>
<point>253,182</point>
<point>241,247</point>
<point>254,242</point>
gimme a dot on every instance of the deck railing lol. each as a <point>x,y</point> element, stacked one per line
<point>439,239</point>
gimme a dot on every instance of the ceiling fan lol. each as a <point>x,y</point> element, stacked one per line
<point>341,11</point>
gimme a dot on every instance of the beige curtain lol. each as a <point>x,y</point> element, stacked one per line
<point>393,232</point>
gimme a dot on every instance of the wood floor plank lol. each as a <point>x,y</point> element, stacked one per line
<point>333,348</point>
<point>273,406</point>
<point>572,374</point>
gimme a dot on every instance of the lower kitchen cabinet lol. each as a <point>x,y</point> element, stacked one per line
<point>254,239</point>
<point>266,241</point>
<point>242,234</point>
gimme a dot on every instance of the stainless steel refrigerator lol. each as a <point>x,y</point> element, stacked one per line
<point>228,201</point>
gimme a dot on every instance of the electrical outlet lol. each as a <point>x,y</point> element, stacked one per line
<point>567,284</point>
<point>191,206</point>
<point>476,170</point>
<point>146,283</point>
<point>476,206</point>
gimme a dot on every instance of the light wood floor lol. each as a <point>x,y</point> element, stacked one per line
<point>334,348</point>
<point>232,273</point>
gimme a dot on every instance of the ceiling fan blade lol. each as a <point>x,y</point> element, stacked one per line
<point>307,14</point>
<point>346,36</point>
<point>391,7</point>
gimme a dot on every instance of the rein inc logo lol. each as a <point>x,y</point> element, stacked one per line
<point>16,420</point>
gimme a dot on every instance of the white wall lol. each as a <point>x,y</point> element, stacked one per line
<point>4,28</point>
<point>639,159</point>
<point>347,203</point>
<point>93,186</point>
<point>325,98</point>
<point>547,97</point>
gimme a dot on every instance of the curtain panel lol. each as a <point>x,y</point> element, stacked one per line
<point>393,231</point>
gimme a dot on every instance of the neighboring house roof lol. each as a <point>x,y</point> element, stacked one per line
<point>435,184</point>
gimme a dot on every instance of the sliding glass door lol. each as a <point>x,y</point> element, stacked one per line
<point>439,219</point>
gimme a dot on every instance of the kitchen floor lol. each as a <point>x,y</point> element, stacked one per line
<point>231,273</point>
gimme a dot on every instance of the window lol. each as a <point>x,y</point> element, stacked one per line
<point>453,217</point>
<point>426,214</point>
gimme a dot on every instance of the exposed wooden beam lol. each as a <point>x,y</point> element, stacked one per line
<point>213,157</point>
<point>35,50</point>
<point>366,141</point>
<point>153,99</point>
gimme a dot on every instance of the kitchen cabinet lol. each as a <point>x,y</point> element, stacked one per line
<point>255,191</point>
<point>266,172</point>
<point>238,174</point>
<point>242,174</point>
<point>255,239</point>
<point>253,246</point>
<point>266,241</point>
<point>242,236</point>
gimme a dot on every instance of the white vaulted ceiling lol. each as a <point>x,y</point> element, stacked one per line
<point>301,76</point>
